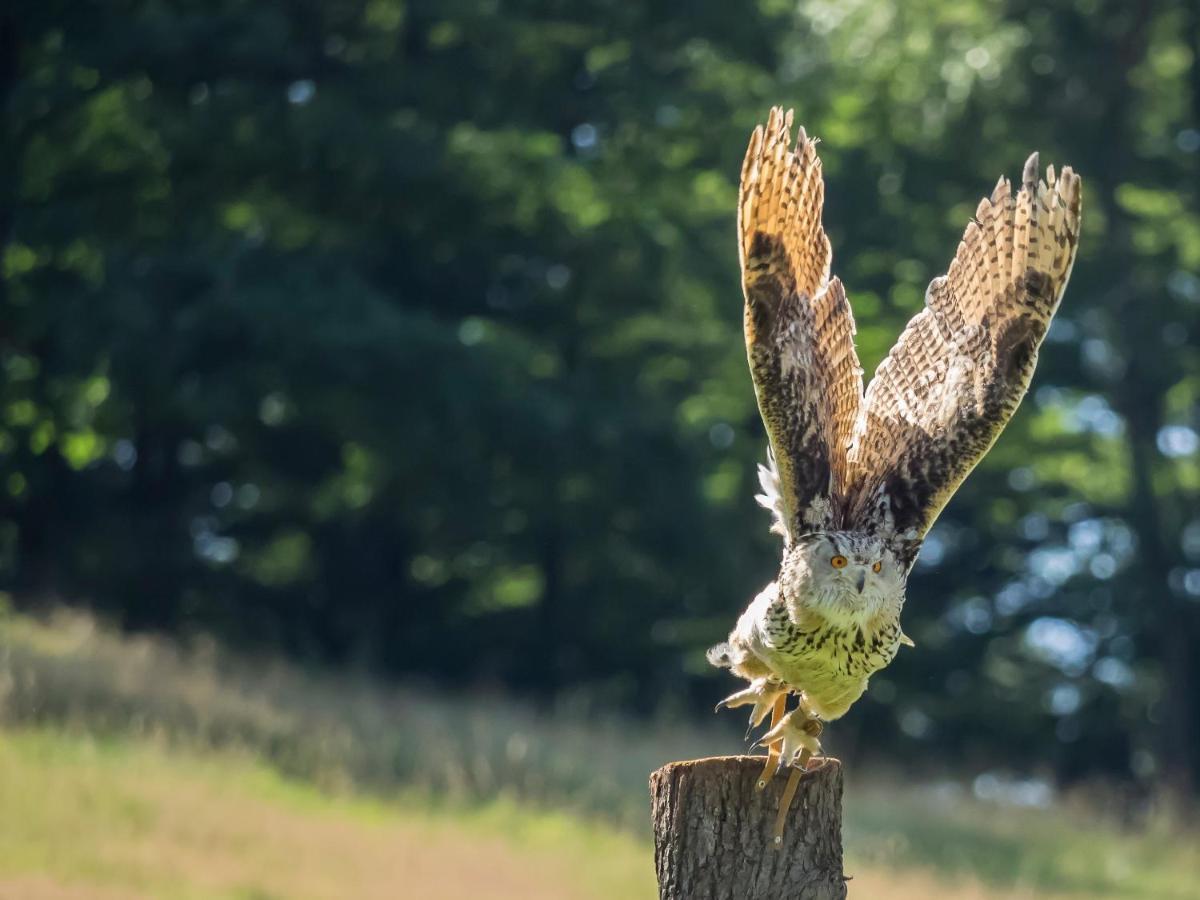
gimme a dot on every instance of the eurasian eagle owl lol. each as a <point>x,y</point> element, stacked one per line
<point>856,480</point>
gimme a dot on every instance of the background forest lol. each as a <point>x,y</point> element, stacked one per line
<point>405,337</point>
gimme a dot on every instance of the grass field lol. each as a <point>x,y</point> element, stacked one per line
<point>139,768</point>
<point>88,818</point>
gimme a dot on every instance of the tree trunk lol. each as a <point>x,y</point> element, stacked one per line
<point>713,832</point>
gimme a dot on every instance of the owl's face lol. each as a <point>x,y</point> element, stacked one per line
<point>847,577</point>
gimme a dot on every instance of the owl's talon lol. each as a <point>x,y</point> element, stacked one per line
<point>798,732</point>
<point>762,693</point>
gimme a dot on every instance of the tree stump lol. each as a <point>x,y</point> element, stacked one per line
<point>713,832</point>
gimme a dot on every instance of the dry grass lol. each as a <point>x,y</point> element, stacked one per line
<point>922,884</point>
<point>83,819</point>
<point>330,728</point>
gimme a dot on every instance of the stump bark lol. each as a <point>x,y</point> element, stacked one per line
<point>713,832</point>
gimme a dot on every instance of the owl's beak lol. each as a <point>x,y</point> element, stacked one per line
<point>862,580</point>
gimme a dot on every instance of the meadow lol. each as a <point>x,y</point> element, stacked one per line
<point>147,767</point>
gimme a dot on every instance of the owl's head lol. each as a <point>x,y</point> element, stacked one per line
<point>846,576</point>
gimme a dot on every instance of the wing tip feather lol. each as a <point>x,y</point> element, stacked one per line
<point>781,196</point>
<point>1029,176</point>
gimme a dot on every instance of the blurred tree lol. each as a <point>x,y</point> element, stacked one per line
<point>408,334</point>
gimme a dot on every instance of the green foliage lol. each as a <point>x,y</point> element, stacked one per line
<point>409,335</point>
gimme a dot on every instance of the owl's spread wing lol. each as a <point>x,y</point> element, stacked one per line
<point>799,329</point>
<point>953,380</point>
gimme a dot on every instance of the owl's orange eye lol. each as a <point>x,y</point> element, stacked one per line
<point>839,562</point>
<point>875,568</point>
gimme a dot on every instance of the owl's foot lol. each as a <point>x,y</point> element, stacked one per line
<point>799,732</point>
<point>762,692</point>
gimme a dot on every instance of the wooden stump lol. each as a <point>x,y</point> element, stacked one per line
<point>713,832</point>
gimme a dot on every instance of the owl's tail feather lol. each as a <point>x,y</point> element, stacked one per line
<point>721,655</point>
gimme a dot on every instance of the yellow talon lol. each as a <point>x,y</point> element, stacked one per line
<point>775,747</point>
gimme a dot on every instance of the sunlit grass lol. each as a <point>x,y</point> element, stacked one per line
<point>1028,850</point>
<point>551,785</point>
<point>112,817</point>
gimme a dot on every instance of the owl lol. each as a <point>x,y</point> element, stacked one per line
<point>855,480</point>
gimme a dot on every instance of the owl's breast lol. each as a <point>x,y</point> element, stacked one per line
<point>829,661</point>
